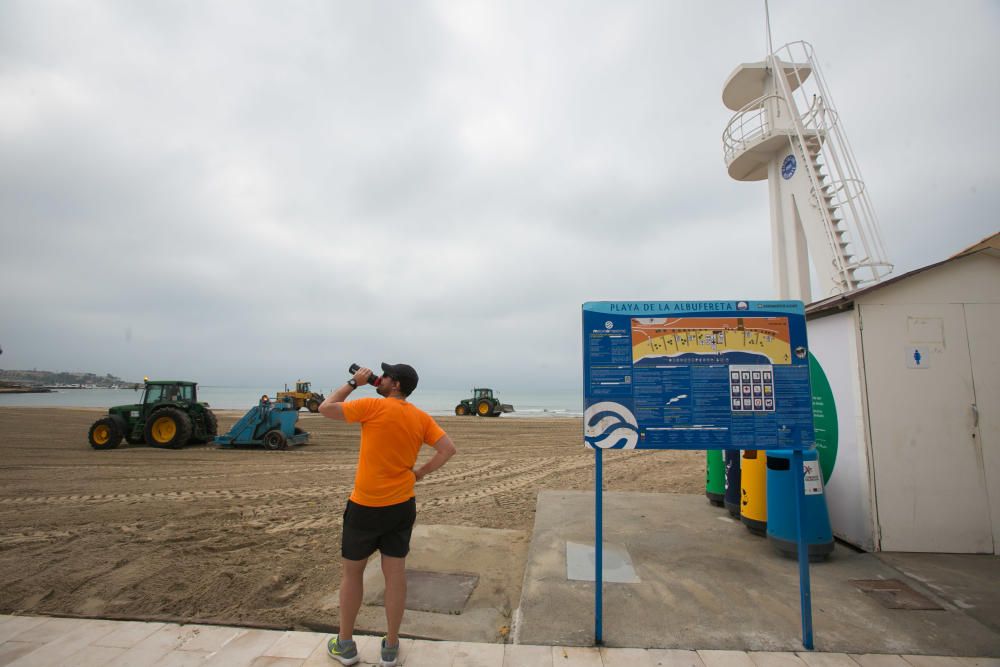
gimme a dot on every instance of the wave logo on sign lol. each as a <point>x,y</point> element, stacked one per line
<point>609,425</point>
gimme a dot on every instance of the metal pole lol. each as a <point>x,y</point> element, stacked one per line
<point>800,520</point>
<point>598,544</point>
<point>767,18</point>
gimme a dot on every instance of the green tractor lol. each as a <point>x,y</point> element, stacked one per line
<point>482,404</point>
<point>169,416</point>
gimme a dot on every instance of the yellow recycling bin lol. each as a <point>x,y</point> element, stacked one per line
<point>753,492</point>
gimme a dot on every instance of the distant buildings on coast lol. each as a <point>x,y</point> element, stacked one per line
<point>35,381</point>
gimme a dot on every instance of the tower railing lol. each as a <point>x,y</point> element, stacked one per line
<point>748,127</point>
<point>856,228</point>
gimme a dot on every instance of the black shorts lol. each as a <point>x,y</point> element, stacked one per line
<point>387,529</point>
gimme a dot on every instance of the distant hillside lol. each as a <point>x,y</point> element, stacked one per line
<point>35,378</point>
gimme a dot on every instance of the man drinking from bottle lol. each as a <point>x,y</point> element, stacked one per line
<point>382,509</point>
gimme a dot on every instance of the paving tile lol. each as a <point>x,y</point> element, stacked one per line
<point>932,661</point>
<point>244,648</point>
<point>477,654</point>
<point>625,657</point>
<point>273,661</point>
<point>12,626</point>
<point>92,656</point>
<point>430,654</point>
<point>576,656</point>
<point>369,647</point>
<point>296,645</point>
<point>826,659</point>
<point>775,659</point>
<point>981,662</point>
<point>183,659</point>
<point>65,644</point>
<point>171,637</point>
<point>47,630</point>
<point>879,660</point>
<point>208,638</point>
<point>725,659</point>
<point>11,651</point>
<point>128,633</point>
<point>671,657</point>
<point>527,655</point>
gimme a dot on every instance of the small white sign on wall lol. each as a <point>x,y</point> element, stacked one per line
<point>813,478</point>
<point>918,356</point>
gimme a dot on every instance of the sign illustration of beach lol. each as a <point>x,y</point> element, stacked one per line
<point>725,340</point>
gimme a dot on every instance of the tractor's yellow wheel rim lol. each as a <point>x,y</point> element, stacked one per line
<point>484,409</point>
<point>102,434</point>
<point>164,429</point>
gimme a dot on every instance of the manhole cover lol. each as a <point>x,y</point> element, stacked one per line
<point>437,592</point>
<point>894,594</point>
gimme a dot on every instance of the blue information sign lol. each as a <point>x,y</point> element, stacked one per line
<point>696,375</point>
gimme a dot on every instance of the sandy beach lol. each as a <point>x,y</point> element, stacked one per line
<point>252,536</point>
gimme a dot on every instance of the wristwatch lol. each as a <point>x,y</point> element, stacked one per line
<point>353,383</point>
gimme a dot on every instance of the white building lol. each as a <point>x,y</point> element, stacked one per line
<point>915,366</point>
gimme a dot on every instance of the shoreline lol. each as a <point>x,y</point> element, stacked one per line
<point>532,417</point>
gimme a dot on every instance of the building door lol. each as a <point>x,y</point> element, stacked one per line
<point>982,320</point>
<point>930,483</point>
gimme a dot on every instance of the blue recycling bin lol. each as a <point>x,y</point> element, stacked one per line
<point>782,528</point>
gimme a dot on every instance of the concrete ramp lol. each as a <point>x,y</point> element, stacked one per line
<point>704,581</point>
<point>463,584</point>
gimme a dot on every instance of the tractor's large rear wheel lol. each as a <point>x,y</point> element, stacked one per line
<point>275,440</point>
<point>484,408</point>
<point>168,427</point>
<point>104,434</point>
<point>461,410</point>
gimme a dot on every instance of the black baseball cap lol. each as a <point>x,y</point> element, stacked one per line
<point>404,374</point>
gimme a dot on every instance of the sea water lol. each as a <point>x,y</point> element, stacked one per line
<point>552,403</point>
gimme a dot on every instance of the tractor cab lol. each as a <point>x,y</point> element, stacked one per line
<point>168,391</point>
<point>483,393</point>
<point>303,387</point>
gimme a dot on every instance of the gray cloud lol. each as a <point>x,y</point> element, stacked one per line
<point>247,193</point>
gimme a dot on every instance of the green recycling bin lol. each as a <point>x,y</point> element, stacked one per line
<point>715,477</point>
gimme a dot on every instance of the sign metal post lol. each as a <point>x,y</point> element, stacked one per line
<point>598,547</point>
<point>805,594</point>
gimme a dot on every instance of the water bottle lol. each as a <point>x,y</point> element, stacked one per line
<point>372,379</point>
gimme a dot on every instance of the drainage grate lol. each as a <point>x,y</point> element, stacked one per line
<point>894,594</point>
<point>437,592</point>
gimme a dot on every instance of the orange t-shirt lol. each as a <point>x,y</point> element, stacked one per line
<point>392,432</point>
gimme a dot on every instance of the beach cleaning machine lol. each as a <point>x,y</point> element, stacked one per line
<point>269,423</point>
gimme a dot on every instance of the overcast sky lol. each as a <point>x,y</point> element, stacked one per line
<point>246,193</point>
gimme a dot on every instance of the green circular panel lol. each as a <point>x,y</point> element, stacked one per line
<point>824,418</point>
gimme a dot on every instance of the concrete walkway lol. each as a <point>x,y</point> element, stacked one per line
<point>39,641</point>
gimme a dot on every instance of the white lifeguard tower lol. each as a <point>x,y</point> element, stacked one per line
<point>787,130</point>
